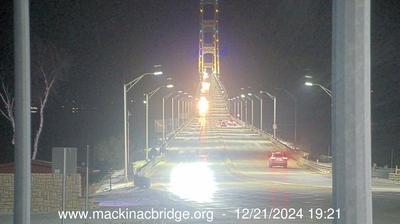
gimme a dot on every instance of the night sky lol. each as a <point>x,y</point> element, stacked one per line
<point>264,44</point>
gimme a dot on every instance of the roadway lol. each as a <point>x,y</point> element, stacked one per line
<point>236,175</point>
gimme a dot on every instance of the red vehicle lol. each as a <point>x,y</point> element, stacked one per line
<point>278,159</point>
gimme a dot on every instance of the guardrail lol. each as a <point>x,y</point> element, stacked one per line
<point>143,166</point>
<point>222,87</point>
<point>323,168</point>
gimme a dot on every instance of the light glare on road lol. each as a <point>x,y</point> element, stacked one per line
<point>193,181</point>
<point>203,105</point>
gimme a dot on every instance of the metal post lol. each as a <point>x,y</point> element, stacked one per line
<point>241,110</point>
<point>128,140</point>
<point>234,108</point>
<point>252,112</point>
<point>351,114</point>
<point>147,126</point>
<point>179,109</point>
<point>163,119</point>
<point>87,179</point>
<point>274,126</point>
<point>391,158</point>
<point>245,110</point>
<point>125,137</point>
<point>295,123</point>
<point>238,109</point>
<point>261,114</point>
<point>172,115</point>
<point>64,181</point>
<point>22,177</point>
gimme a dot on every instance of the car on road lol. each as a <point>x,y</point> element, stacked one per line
<point>278,159</point>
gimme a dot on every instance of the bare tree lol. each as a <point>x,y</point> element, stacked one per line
<point>7,110</point>
<point>47,69</point>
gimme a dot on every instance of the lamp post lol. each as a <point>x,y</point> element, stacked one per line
<point>147,102</point>
<point>326,90</point>
<point>295,115</point>
<point>261,109</point>
<point>163,115</point>
<point>127,87</point>
<point>274,125</point>
<point>173,109</point>
<point>252,108</point>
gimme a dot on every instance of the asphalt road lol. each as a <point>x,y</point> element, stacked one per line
<point>236,176</point>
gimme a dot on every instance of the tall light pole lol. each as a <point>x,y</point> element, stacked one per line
<point>173,109</point>
<point>274,125</point>
<point>163,115</point>
<point>127,87</point>
<point>295,114</point>
<point>22,82</point>
<point>147,102</point>
<point>326,90</point>
<point>261,108</point>
<point>252,108</point>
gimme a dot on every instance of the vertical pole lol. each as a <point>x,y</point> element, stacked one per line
<point>172,114</point>
<point>391,158</point>
<point>252,112</point>
<point>147,126</point>
<point>295,123</point>
<point>179,109</point>
<point>245,110</point>
<point>64,181</point>
<point>234,108</point>
<point>238,108</point>
<point>274,126</point>
<point>351,115</point>
<point>128,139</point>
<point>261,114</point>
<point>22,177</point>
<point>87,179</point>
<point>163,119</point>
<point>125,137</point>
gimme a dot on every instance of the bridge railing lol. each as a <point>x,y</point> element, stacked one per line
<point>222,87</point>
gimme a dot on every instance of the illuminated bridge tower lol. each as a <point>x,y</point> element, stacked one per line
<point>208,38</point>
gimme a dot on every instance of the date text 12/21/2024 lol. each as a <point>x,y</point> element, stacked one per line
<point>287,213</point>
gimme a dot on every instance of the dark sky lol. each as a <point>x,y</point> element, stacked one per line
<point>264,44</point>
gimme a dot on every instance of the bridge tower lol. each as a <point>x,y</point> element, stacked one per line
<point>208,38</point>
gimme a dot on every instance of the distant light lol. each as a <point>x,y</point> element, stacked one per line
<point>180,91</point>
<point>205,87</point>
<point>205,75</point>
<point>243,96</point>
<point>158,73</point>
<point>250,94</point>
<point>308,76</point>
<point>203,105</point>
<point>308,84</point>
<point>170,86</point>
<point>185,93</point>
<point>144,101</point>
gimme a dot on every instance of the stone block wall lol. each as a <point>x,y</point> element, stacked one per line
<point>46,193</point>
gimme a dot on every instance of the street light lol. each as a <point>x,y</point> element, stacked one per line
<point>147,102</point>
<point>326,90</point>
<point>261,108</point>
<point>252,108</point>
<point>293,97</point>
<point>274,125</point>
<point>243,97</point>
<point>127,87</point>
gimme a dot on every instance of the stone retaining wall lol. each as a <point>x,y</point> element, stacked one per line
<point>46,193</point>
